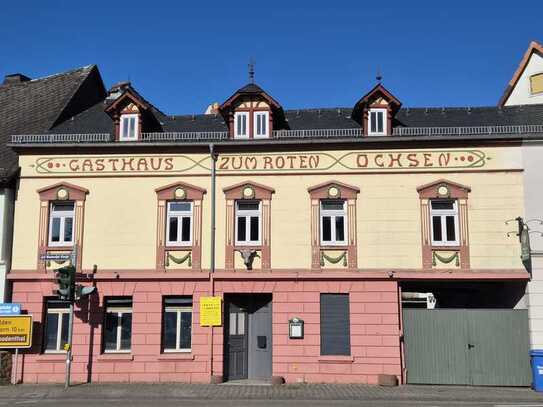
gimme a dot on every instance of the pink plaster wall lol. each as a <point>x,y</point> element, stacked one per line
<point>374,319</point>
<point>374,322</point>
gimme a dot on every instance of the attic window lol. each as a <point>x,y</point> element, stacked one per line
<point>241,124</point>
<point>129,127</point>
<point>261,120</point>
<point>377,122</point>
<point>536,84</point>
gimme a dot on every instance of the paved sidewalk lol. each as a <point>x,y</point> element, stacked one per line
<point>317,392</point>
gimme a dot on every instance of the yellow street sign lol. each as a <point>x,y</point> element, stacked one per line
<point>15,331</point>
<point>210,311</point>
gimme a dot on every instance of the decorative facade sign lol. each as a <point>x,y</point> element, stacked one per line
<point>210,311</point>
<point>284,162</point>
<point>15,331</point>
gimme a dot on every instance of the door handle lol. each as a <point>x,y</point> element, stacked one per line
<point>471,346</point>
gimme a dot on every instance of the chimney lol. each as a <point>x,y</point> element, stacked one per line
<point>116,90</point>
<point>213,108</point>
<point>14,78</point>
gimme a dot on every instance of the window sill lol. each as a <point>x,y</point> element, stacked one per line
<point>336,359</point>
<point>173,247</point>
<point>241,245</point>
<point>59,248</point>
<point>116,356</point>
<point>51,357</point>
<point>342,246</point>
<point>450,248</point>
<point>176,356</point>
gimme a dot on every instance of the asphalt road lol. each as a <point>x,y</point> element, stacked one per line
<point>254,403</point>
<point>185,395</point>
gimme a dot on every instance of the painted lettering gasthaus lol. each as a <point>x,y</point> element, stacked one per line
<point>331,161</point>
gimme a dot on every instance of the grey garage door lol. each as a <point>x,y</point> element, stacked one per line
<point>466,346</point>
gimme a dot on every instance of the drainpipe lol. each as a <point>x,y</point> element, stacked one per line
<point>212,264</point>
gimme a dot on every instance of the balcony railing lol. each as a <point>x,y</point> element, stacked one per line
<point>218,136</point>
<point>184,136</point>
<point>467,131</point>
<point>317,133</point>
<point>61,138</point>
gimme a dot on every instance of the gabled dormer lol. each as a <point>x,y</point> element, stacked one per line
<point>375,111</point>
<point>251,113</point>
<point>131,114</point>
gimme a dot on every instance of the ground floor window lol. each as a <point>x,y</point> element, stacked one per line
<point>335,324</point>
<point>177,325</point>
<point>118,325</point>
<point>56,325</point>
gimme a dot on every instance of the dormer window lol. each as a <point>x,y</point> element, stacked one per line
<point>261,120</point>
<point>377,119</point>
<point>375,111</point>
<point>241,120</point>
<point>129,127</point>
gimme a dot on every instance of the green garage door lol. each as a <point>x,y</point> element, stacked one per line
<point>465,346</point>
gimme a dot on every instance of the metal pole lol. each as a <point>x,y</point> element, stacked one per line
<point>213,181</point>
<point>212,261</point>
<point>15,373</point>
<point>69,346</point>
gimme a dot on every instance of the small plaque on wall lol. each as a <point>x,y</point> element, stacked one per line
<point>296,328</point>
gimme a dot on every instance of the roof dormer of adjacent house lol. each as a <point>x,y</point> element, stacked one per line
<point>526,85</point>
<point>130,112</point>
<point>375,111</point>
<point>251,113</point>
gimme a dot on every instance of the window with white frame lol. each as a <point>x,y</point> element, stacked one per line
<point>179,223</point>
<point>444,216</point>
<point>248,219</point>
<point>56,326</point>
<point>241,124</point>
<point>377,122</point>
<point>177,328</point>
<point>118,325</point>
<point>261,124</point>
<point>129,127</point>
<point>61,223</point>
<point>333,217</point>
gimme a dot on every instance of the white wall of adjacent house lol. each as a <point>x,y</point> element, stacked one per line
<point>521,94</point>
<point>533,198</point>
<point>6,228</point>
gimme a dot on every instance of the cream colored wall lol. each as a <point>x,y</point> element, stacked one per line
<point>521,93</point>
<point>121,213</point>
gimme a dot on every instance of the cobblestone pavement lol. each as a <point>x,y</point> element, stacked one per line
<point>314,395</point>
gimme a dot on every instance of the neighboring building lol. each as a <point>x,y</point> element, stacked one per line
<point>526,87</point>
<point>327,215</point>
<point>34,106</point>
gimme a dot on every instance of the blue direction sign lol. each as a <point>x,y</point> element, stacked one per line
<point>10,309</point>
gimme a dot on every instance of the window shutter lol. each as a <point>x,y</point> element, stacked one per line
<point>536,83</point>
<point>335,325</point>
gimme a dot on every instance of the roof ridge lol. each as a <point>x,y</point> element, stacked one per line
<point>52,76</point>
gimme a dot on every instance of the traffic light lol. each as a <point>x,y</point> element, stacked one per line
<point>65,278</point>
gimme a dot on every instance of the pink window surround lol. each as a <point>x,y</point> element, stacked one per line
<point>189,193</point>
<point>263,194</point>
<point>456,192</point>
<point>348,193</point>
<point>62,191</point>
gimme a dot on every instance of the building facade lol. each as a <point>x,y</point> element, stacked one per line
<point>334,217</point>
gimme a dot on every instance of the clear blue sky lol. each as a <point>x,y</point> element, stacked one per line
<point>182,55</point>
